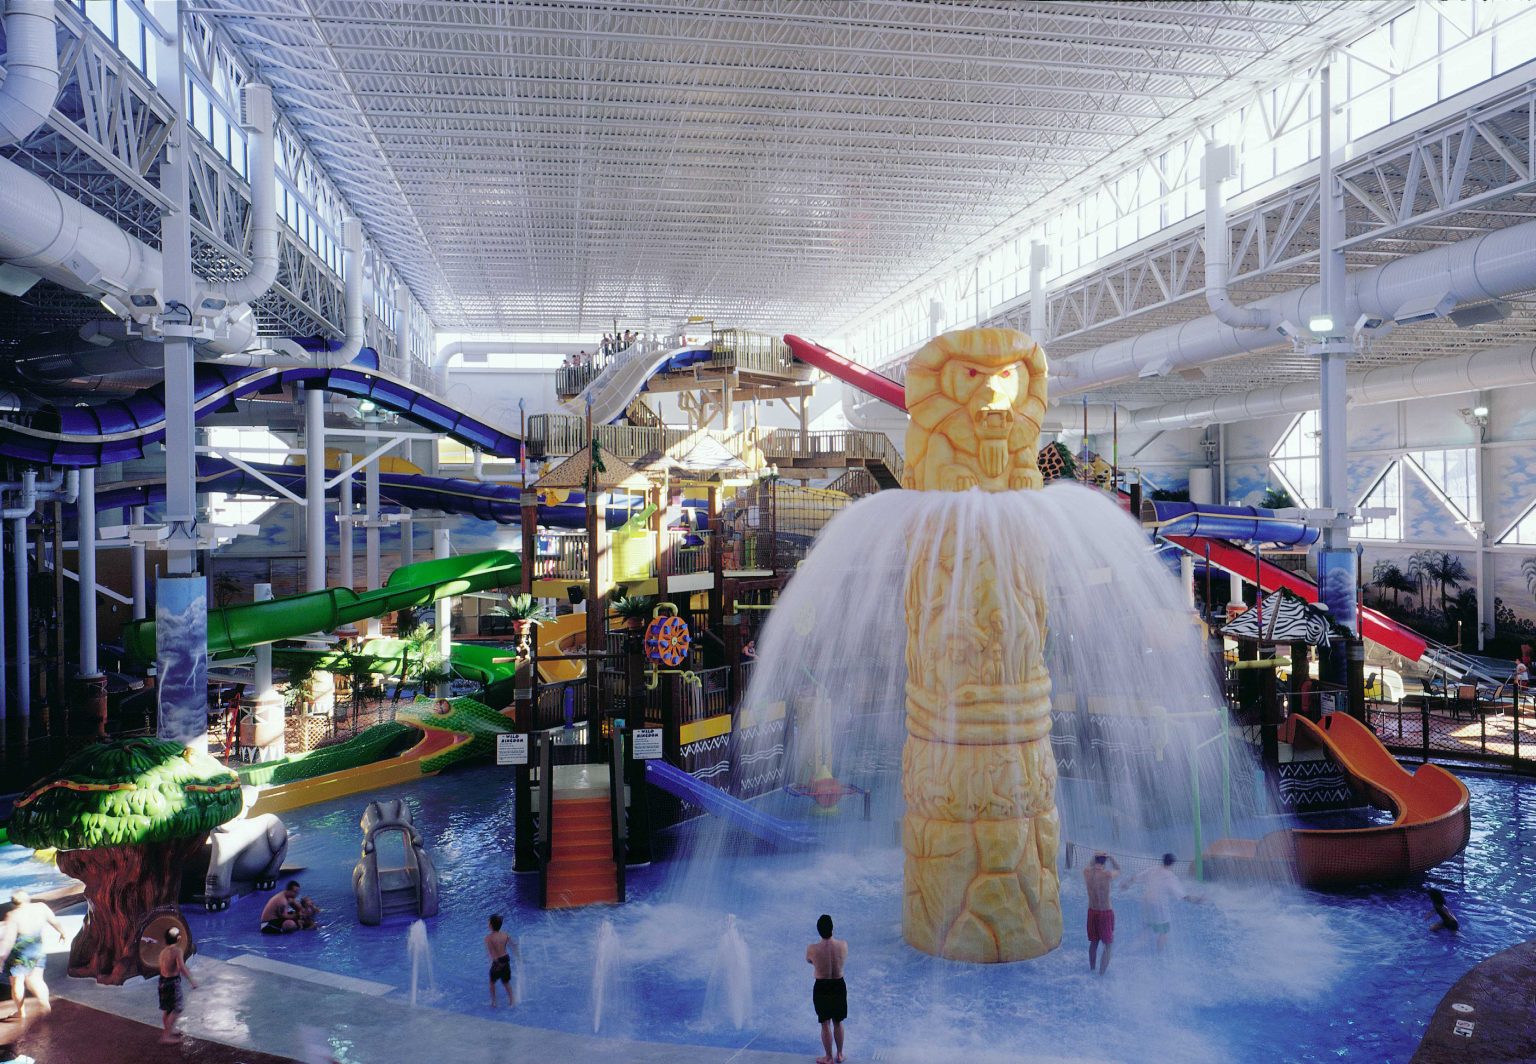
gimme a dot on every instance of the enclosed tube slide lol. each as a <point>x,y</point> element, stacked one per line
<point>1432,823</point>
<point>611,391</point>
<point>861,377</point>
<point>121,430</point>
<point>417,491</point>
<point>251,624</point>
<point>712,799</point>
<point>1247,524</point>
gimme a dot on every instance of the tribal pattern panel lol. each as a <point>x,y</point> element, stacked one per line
<point>759,758</point>
<point>708,760</point>
<point>1310,786</point>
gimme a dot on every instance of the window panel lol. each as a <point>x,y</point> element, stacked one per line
<point>1387,493</point>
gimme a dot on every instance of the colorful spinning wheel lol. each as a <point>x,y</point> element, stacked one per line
<point>667,640</point>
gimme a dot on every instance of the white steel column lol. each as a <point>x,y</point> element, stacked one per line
<point>261,725</point>
<point>314,489</point>
<point>181,602</point>
<point>137,569</point>
<point>444,605</point>
<point>371,529</point>
<point>23,634</point>
<point>1336,562</point>
<point>346,544</point>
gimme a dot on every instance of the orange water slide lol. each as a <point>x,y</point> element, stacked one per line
<point>1432,818</point>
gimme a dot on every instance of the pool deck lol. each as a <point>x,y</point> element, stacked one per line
<point>1486,1016</point>
<point>278,1014</point>
<point>73,1032</point>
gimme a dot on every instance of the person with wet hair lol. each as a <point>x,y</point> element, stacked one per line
<point>173,965</point>
<point>829,995</point>
<point>1444,919</point>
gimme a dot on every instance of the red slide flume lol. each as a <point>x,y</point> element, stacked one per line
<point>861,377</point>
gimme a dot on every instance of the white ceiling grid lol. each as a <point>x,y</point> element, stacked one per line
<point>783,164</point>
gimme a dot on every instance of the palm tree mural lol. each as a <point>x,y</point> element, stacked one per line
<point>1441,568</point>
<point>1388,576</point>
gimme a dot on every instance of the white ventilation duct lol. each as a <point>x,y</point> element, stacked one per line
<point>1492,265</point>
<point>352,279</point>
<point>45,231</point>
<point>1219,164</point>
<point>1493,368</point>
<point>256,120</point>
<point>31,69</point>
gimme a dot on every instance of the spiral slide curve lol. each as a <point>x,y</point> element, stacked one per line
<point>122,429</point>
<point>1432,822</point>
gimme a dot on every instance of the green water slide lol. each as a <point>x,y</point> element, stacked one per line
<point>250,624</point>
<point>492,667</point>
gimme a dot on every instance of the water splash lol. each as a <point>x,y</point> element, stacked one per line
<point>420,952</point>
<point>609,995</point>
<point>1139,725</point>
<point>730,979</point>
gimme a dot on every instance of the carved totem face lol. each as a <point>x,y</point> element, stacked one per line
<point>976,397</point>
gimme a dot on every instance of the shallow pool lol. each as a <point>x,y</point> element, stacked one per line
<point>1248,975</point>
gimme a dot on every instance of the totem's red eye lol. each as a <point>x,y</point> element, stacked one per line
<point>1007,373</point>
<point>971,372</point>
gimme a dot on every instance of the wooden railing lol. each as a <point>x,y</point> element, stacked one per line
<point>558,435</point>
<point>835,445</point>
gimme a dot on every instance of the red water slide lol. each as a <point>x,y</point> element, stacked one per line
<point>1374,626</point>
<point>861,377</point>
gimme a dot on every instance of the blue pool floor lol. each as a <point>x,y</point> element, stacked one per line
<point>1252,975</point>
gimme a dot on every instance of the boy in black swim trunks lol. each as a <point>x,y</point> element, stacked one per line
<point>173,965</point>
<point>497,945</point>
<point>829,994</point>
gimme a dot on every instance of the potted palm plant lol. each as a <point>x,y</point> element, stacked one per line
<point>525,611</point>
<point>634,610</point>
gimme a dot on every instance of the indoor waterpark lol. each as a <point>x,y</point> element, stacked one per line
<point>748,531</point>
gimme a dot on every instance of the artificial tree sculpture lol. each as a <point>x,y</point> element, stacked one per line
<point>124,816</point>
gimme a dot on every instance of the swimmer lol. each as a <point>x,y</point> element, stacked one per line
<point>1444,919</point>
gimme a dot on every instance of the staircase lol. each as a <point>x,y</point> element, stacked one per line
<point>581,869</point>
<point>397,894</point>
<point>640,415</point>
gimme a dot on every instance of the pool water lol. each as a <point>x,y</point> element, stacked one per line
<point>1251,975</point>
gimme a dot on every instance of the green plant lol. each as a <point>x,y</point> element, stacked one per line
<point>1170,494</point>
<point>524,608</point>
<point>634,607</point>
<point>1277,499</point>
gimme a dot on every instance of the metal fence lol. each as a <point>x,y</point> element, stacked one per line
<point>1499,732</point>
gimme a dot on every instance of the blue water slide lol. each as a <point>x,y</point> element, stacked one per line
<point>123,429</point>
<point>489,502</point>
<point>1238,524</point>
<point>712,799</point>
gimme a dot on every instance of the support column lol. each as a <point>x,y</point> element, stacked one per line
<point>181,606</point>
<point>346,541</point>
<point>314,489</point>
<point>1485,610</point>
<point>23,634</point>
<point>90,693</point>
<point>138,568</point>
<point>441,549</point>
<point>261,711</point>
<point>716,563</point>
<point>525,856</point>
<point>1187,578</point>
<point>596,615</point>
<point>371,530</point>
<point>1336,567</point>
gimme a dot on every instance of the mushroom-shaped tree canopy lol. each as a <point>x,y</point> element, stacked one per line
<point>124,816</point>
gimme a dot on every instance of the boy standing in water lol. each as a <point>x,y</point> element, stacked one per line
<point>1098,878</point>
<point>830,994</point>
<point>173,965</point>
<point>497,945</point>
